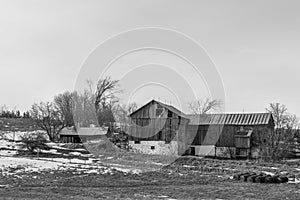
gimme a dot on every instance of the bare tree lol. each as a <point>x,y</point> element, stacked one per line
<point>280,115</point>
<point>64,102</point>
<point>105,99</point>
<point>49,118</point>
<point>132,107</point>
<point>105,114</point>
<point>3,108</point>
<point>281,141</point>
<point>106,92</point>
<point>204,106</point>
<point>122,112</point>
<point>84,112</point>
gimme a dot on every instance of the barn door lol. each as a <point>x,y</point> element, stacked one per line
<point>193,152</point>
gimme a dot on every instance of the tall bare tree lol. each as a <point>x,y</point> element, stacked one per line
<point>121,113</point>
<point>64,102</point>
<point>204,106</point>
<point>132,107</point>
<point>49,118</point>
<point>84,112</point>
<point>105,99</point>
<point>281,142</point>
<point>106,91</point>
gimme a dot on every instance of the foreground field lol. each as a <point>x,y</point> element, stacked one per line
<point>163,184</point>
<point>71,172</point>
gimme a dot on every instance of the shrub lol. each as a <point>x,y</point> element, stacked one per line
<point>34,141</point>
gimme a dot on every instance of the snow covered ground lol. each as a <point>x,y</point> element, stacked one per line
<point>64,158</point>
<point>13,164</point>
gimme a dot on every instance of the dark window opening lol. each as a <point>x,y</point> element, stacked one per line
<point>152,147</point>
<point>170,114</point>
<point>158,111</point>
<point>159,137</point>
<point>179,120</point>
<point>137,142</point>
<point>193,151</point>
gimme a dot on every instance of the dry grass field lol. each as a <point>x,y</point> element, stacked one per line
<point>71,172</point>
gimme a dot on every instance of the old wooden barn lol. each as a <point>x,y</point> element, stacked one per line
<point>158,128</point>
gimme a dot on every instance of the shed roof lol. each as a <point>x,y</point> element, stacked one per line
<point>84,131</point>
<point>231,119</point>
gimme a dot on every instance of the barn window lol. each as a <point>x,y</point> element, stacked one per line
<point>179,120</point>
<point>137,142</point>
<point>170,114</point>
<point>193,151</point>
<point>159,135</point>
<point>152,147</point>
<point>158,111</point>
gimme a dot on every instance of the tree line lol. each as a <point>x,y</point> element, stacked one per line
<point>7,113</point>
<point>100,107</point>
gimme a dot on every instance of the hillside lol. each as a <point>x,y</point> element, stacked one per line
<point>19,124</point>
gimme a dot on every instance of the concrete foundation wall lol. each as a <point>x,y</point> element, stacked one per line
<point>161,148</point>
<point>155,147</point>
<point>210,150</point>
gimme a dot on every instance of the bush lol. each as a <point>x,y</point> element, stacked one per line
<point>34,141</point>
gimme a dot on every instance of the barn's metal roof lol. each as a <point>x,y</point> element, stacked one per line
<point>84,131</point>
<point>231,119</point>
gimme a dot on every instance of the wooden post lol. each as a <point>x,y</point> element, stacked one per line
<point>38,153</point>
<point>215,151</point>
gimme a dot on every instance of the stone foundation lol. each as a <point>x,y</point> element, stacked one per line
<point>155,147</point>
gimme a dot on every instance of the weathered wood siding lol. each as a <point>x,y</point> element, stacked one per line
<point>163,125</point>
<point>242,142</point>
<point>206,135</point>
<point>166,124</point>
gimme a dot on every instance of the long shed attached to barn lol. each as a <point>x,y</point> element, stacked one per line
<point>225,133</point>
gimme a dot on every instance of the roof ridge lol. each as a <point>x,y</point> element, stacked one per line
<point>248,113</point>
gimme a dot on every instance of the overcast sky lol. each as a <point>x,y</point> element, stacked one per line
<point>254,44</point>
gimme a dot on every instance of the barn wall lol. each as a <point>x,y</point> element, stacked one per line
<point>162,125</point>
<point>221,152</point>
<point>149,111</point>
<point>226,135</point>
<point>211,150</point>
<point>165,137</point>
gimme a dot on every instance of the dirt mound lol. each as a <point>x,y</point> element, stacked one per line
<point>100,145</point>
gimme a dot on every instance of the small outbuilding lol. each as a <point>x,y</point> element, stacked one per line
<point>82,134</point>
